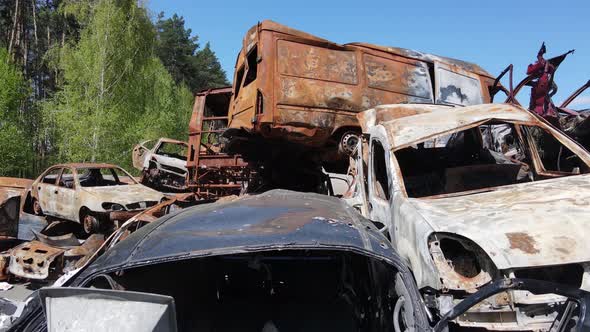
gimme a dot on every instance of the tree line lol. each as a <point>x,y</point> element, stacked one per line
<point>85,80</point>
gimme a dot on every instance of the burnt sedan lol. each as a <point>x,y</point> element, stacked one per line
<point>278,261</point>
<point>95,195</point>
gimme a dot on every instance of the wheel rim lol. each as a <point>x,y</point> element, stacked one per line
<point>399,321</point>
<point>36,207</point>
<point>89,223</point>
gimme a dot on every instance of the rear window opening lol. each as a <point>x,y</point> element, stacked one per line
<point>273,291</point>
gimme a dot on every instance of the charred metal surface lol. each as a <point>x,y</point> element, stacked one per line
<point>211,172</point>
<point>275,218</point>
<point>35,260</point>
<point>453,274</point>
<point>290,85</point>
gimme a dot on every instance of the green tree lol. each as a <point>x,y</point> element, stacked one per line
<point>115,92</point>
<point>180,54</point>
<point>15,143</point>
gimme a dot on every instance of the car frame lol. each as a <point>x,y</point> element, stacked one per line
<point>93,207</point>
<point>160,170</point>
<point>495,227</point>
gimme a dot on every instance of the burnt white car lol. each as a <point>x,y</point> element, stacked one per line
<point>164,165</point>
<point>471,194</point>
<point>98,196</point>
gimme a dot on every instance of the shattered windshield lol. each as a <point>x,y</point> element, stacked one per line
<point>104,176</point>
<point>485,156</point>
<point>172,150</point>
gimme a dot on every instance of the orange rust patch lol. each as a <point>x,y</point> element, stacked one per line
<point>523,242</point>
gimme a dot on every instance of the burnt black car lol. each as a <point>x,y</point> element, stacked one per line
<point>278,261</point>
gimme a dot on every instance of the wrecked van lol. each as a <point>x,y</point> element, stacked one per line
<point>279,261</point>
<point>292,86</point>
<point>463,209</point>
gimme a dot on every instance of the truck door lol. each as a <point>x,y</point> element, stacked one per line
<point>379,185</point>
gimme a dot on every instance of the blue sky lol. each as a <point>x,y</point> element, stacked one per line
<point>490,33</point>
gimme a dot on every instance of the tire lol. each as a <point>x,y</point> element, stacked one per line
<point>403,312</point>
<point>37,210</point>
<point>90,223</point>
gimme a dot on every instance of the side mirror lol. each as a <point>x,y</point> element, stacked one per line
<point>90,309</point>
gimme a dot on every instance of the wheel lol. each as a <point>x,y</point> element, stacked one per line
<point>37,210</point>
<point>403,311</point>
<point>90,224</point>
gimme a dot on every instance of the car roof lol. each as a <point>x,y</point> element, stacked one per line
<point>275,219</point>
<point>414,123</point>
<point>86,165</point>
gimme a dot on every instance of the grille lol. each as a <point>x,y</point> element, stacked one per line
<point>570,274</point>
<point>141,205</point>
<point>173,169</point>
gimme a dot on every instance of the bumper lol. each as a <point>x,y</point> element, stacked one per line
<point>122,215</point>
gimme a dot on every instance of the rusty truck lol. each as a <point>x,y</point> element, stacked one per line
<point>295,96</point>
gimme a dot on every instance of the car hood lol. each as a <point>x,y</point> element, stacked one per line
<point>174,162</point>
<point>125,194</point>
<point>530,224</point>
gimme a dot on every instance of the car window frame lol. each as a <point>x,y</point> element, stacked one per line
<point>75,178</point>
<point>42,178</point>
<point>536,158</point>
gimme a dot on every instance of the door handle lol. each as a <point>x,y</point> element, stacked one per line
<point>370,207</point>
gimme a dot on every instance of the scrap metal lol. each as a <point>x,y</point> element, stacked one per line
<point>212,172</point>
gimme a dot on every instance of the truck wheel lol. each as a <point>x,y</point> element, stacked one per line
<point>37,210</point>
<point>90,224</point>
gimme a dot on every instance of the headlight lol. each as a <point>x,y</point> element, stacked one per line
<point>113,206</point>
<point>461,263</point>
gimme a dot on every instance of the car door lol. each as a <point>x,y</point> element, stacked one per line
<point>47,191</point>
<point>66,198</point>
<point>141,155</point>
<point>379,185</point>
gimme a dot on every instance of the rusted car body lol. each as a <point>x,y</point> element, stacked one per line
<point>163,167</point>
<point>212,172</point>
<point>290,85</point>
<point>95,195</point>
<point>12,193</point>
<point>463,209</point>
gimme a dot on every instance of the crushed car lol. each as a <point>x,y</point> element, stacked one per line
<point>98,196</point>
<point>463,211</point>
<point>163,167</point>
<point>278,261</point>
